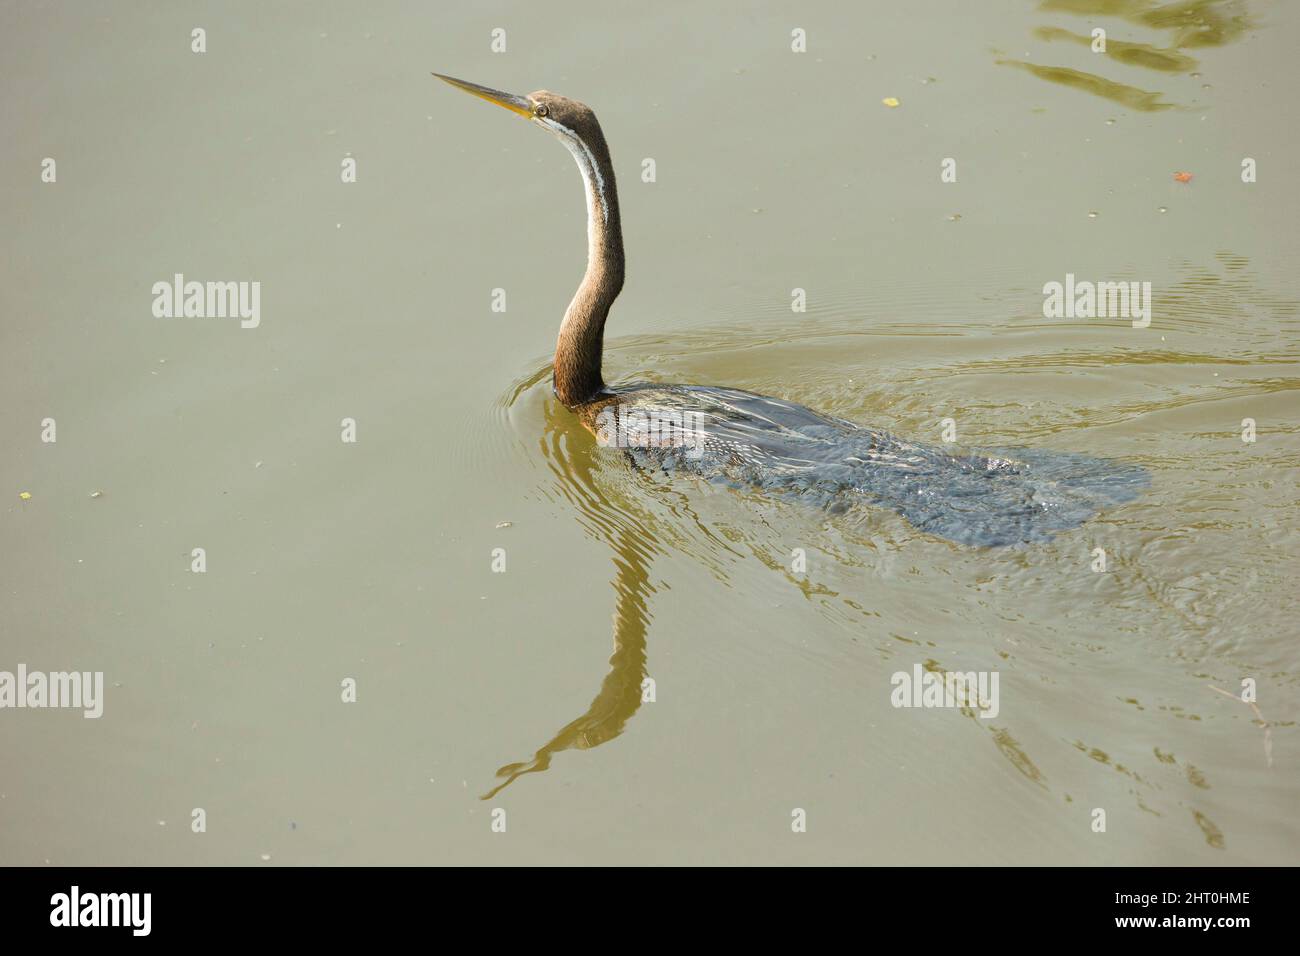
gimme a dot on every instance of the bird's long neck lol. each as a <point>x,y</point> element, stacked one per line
<point>578,351</point>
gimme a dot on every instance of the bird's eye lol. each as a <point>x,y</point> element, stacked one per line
<point>540,109</point>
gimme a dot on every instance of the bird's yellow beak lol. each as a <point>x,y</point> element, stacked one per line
<point>517,104</point>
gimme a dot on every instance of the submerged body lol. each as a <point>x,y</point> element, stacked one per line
<point>748,440</point>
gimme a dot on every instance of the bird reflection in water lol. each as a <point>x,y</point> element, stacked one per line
<point>571,453</point>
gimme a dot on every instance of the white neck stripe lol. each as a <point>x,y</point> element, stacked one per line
<point>586,164</point>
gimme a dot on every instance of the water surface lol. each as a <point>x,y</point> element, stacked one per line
<point>374,560</point>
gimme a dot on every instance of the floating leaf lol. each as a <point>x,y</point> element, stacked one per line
<point>1183,177</point>
<point>890,101</point>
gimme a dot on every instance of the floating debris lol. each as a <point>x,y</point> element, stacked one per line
<point>1183,177</point>
<point>504,524</point>
<point>96,494</point>
<point>1092,215</point>
<point>890,101</point>
<point>25,495</point>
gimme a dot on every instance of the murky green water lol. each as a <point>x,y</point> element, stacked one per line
<point>373,560</point>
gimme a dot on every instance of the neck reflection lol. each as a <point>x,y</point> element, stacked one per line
<point>571,453</point>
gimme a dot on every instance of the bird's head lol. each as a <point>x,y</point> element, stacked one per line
<point>564,117</point>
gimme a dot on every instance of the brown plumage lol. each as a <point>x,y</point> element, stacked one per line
<point>578,349</point>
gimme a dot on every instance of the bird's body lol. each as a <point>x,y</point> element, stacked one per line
<point>748,440</point>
